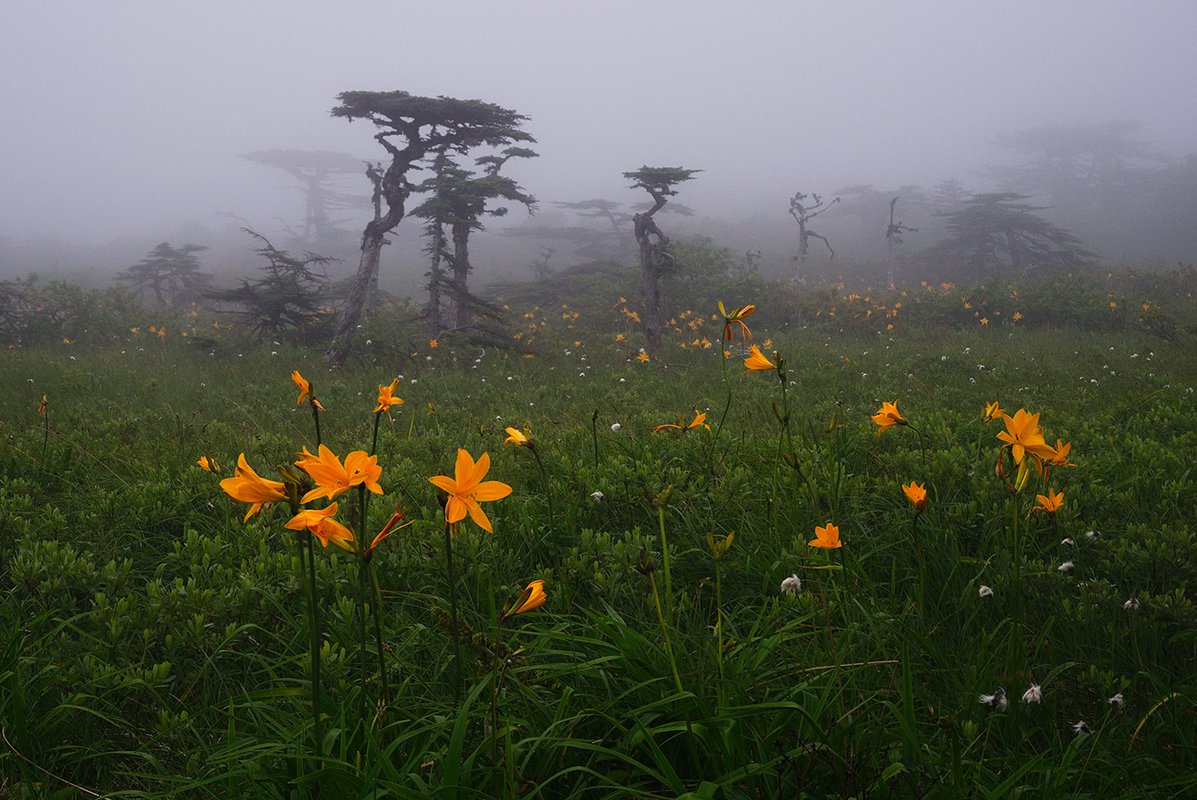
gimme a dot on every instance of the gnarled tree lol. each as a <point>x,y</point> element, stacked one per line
<point>321,175</point>
<point>654,255</point>
<point>893,238</point>
<point>411,128</point>
<point>459,199</point>
<point>803,211</point>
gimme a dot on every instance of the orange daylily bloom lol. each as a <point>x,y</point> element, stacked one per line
<point>1052,502</point>
<point>700,419</point>
<point>305,388</point>
<point>386,398</point>
<point>916,494</point>
<point>736,317</point>
<point>208,464</point>
<point>322,525</point>
<point>1024,435</point>
<point>888,416</point>
<point>532,598</point>
<point>757,361</point>
<point>827,538</point>
<point>992,411</point>
<point>1059,456</point>
<point>518,438</point>
<point>41,407</point>
<point>643,358</point>
<point>332,478</point>
<point>467,489</point>
<point>249,487</point>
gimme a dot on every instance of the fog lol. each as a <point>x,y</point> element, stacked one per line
<point>125,122</point>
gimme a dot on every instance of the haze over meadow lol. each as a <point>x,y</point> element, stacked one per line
<point>126,122</point>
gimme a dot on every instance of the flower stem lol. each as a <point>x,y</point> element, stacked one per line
<point>594,435</point>
<point>453,623</point>
<point>314,637</point>
<point>677,681</point>
<point>544,478</point>
<point>665,561</point>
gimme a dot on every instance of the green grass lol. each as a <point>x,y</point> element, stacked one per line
<point>157,646</point>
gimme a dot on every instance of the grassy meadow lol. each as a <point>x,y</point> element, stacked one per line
<point>691,641</point>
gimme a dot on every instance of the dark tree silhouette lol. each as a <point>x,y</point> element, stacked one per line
<point>458,200</point>
<point>286,299</point>
<point>803,211</point>
<point>893,238</point>
<point>319,173</point>
<point>999,231</point>
<point>654,256</point>
<point>411,128</point>
<point>172,274</point>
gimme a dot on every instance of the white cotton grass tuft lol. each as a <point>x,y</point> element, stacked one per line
<point>1033,695</point>
<point>791,585</point>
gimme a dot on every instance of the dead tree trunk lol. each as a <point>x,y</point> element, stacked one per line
<point>650,272</point>
<point>375,174</point>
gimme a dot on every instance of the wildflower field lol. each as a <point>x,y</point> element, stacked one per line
<point>858,560</point>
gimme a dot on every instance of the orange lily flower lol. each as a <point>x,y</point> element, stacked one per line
<point>992,411</point>
<point>700,419</point>
<point>332,478</point>
<point>249,487</point>
<point>41,407</point>
<point>827,538</point>
<point>1024,435</point>
<point>386,398</point>
<point>320,522</point>
<point>467,489</point>
<point>208,464</point>
<point>888,416</point>
<point>1052,502</point>
<point>391,526</point>
<point>736,317</point>
<point>757,362</point>
<point>518,438</point>
<point>916,494</point>
<point>532,598</point>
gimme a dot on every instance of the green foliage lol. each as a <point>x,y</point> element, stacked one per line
<point>660,180</point>
<point>156,642</point>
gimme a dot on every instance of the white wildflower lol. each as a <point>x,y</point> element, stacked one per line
<point>1065,567</point>
<point>1092,535</point>
<point>1116,701</point>
<point>985,591</point>
<point>791,585</point>
<point>1132,604</point>
<point>1080,727</point>
<point>616,427</point>
<point>996,701</point>
<point>1033,694</point>
<point>1067,542</point>
<point>597,496</point>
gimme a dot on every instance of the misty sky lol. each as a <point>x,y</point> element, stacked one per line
<point>126,118</point>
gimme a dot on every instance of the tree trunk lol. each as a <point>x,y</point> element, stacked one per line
<point>367,269</point>
<point>890,276</point>
<point>803,244</point>
<point>461,274</point>
<point>434,285</point>
<point>650,292</point>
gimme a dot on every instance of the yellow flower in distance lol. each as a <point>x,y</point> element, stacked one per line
<point>992,411</point>
<point>41,407</point>
<point>888,416</point>
<point>387,398</point>
<point>700,419</point>
<point>322,525</point>
<point>736,317</point>
<point>757,362</point>
<point>332,478</point>
<point>1052,502</point>
<point>518,438</point>
<point>643,357</point>
<point>916,494</point>
<point>827,538</point>
<point>1059,457</point>
<point>467,489</point>
<point>1023,435</point>
<point>249,487</point>
<point>532,598</point>
<point>208,464</point>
